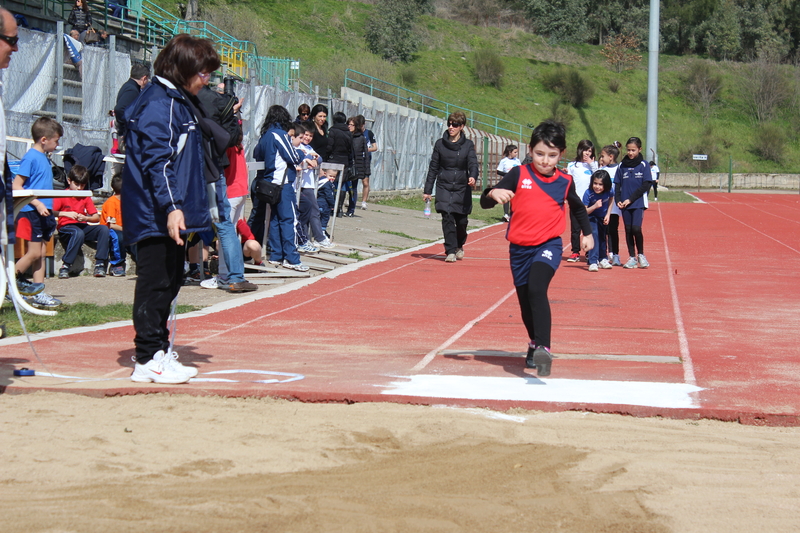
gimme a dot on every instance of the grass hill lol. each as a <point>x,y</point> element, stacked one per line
<point>327,36</point>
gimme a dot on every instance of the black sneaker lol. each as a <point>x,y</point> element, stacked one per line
<point>241,286</point>
<point>63,272</point>
<point>541,359</point>
<point>99,271</point>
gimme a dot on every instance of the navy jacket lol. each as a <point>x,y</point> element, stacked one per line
<point>164,165</point>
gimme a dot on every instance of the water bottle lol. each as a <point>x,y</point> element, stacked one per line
<point>427,211</point>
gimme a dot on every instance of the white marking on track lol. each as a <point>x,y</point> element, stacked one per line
<point>754,229</point>
<point>430,355</point>
<point>532,389</point>
<point>683,342</point>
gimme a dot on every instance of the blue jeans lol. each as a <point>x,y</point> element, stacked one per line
<point>309,214</point>
<point>599,251</point>
<point>231,260</point>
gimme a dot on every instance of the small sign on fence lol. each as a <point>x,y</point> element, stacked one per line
<point>700,157</point>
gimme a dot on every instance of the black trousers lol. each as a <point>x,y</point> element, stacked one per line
<point>159,279</point>
<point>454,228</point>
<point>535,305</point>
<point>574,233</point>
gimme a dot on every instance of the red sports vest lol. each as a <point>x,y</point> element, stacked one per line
<point>538,207</point>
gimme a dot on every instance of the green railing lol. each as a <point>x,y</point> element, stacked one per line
<point>156,26</point>
<point>432,106</point>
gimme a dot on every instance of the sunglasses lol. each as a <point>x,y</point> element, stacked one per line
<point>12,41</point>
<point>204,76</point>
<point>454,125</point>
<point>304,114</point>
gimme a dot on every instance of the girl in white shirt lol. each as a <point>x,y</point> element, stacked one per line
<point>509,161</point>
<point>581,171</point>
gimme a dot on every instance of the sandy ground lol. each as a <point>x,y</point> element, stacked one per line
<point>180,463</point>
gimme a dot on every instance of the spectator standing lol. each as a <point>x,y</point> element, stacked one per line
<point>372,146</point>
<point>319,141</point>
<point>81,19</point>
<point>164,197</point>
<point>127,94</point>
<point>340,151</point>
<point>8,45</point>
<point>454,170</point>
<point>303,114</point>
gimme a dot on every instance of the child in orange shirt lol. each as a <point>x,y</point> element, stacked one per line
<point>111,216</point>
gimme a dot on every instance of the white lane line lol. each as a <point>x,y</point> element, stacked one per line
<point>754,229</point>
<point>749,206</point>
<point>533,389</point>
<point>430,355</point>
<point>683,342</point>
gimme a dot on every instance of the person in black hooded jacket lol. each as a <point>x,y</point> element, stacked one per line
<point>454,169</point>
<point>340,150</point>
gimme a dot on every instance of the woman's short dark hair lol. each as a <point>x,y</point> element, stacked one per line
<point>339,118</point>
<point>457,117</point>
<point>551,133</point>
<point>184,57</point>
<point>303,109</point>
<point>277,115</point>
<point>584,145</point>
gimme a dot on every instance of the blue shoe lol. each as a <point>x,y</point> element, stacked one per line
<point>632,263</point>
<point>615,261</point>
<point>28,288</point>
<point>43,300</point>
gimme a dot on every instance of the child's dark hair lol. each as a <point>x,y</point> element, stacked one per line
<point>551,133</point>
<point>79,175</point>
<point>652,163</point>
<point>603,176</point>
<point>635,140</point>
<point>510,148</point>
<point>46,127</point>
<point>584,145</point>
<point>300,129</point>
<point>612,149</point>
<point>339,118</point>
<point>116,183</point>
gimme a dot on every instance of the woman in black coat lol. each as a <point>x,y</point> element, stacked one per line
<point>454,169</point>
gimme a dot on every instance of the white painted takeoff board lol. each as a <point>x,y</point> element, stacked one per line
<point>533,389</point>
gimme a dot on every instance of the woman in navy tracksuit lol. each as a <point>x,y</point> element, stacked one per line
<point>164,196</point>
<point>631,183</point>
<point>280,159</point>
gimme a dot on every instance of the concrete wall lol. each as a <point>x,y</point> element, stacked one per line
<point>740,181</point>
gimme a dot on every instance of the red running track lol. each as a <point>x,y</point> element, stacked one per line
<point>709,330</point>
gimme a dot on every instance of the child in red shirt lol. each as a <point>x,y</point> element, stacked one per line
<point>76,217</point>
<point>538,193</point>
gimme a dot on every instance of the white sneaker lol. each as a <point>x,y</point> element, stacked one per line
<point>326,243</point>
<point>364,206</point>
<point>276,264</point>
<point>593,267</point>
<point>643,263</point>
<point>161,369</point>
<point>210,283</point>
<point>300,267</point>
<point>190,370</point>
<point>604,264</point>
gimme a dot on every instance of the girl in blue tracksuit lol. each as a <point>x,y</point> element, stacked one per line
<point>280,159</point>
<point>631,183</point>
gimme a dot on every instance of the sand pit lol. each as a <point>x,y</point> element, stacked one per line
<point>178,463</point>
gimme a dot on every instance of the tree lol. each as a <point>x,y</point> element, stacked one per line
<point>620,52</point>
<point>765,88</point>
<point>558,20</point>
<point>390,34</point>
<point>723,39</point>
<point>703,87</point>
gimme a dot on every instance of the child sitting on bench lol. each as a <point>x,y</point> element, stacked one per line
<point>74,218</point>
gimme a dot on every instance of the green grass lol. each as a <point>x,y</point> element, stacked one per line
<point>672,196</point>
<point>70,316</point>
<point>415,203</point>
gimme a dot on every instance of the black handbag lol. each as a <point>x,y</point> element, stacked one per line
<point>268,191</point>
